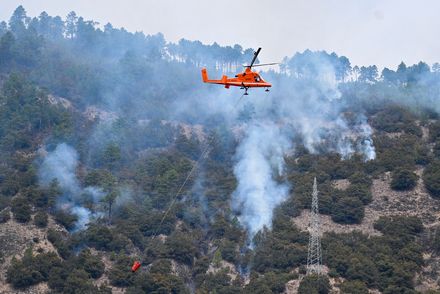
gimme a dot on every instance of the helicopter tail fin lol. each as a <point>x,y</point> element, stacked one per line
<point>204,75</point>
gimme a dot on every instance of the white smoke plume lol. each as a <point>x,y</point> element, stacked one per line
<point>61,164</point>
<point>308,106</point>
<point>260,162</point>
<point>366,145</point>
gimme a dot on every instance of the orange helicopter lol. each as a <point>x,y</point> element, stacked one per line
<point>245,80</point>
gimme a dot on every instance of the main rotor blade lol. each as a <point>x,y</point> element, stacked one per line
<point>261,64</point>
<point>255,57</point>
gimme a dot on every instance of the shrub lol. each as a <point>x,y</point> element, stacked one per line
<point>431,178</point>
<point>395,118</point>
<point>229,251</point>
<point>354,287</point>
<point>40,219</point>
<point>434,131</point>
<point>348,211</point>
<point>314,284</point>
<point>57,240</point>
<point>78,282</point>
<point>359,178</point>
<point>403,179</point>
<point>66,219</point>
<point>269,283</point>
<point>31,269</point>
<point>360,192</point>
<point>181,248</point>
<point>119,275</point>
<point>21,209</point>
<point>435,244</point>
<point>92,264</point>
<point>5,216</point>
<point>399,226</point>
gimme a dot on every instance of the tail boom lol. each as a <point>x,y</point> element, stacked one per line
<point>207,80</point>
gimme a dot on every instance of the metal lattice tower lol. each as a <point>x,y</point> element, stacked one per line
<point>314,256</point>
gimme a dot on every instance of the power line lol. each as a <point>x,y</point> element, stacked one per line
<point>194,167</point>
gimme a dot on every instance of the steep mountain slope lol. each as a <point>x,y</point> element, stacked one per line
<point>104,161</point>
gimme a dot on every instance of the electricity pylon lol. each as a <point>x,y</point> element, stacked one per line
<point>314,255</point>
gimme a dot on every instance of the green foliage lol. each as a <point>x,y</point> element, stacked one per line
<point>181,247</point>
<point>354,287</point>
<point>5,216</point>
<point>348,211</point>
<point>398,152</point>
<point>120,274</point>
<point>219,282</point>
<point>201,265</point>
<point>382,262</point>
<point>406,227</point>
<point>222,228</point>
<point>52,192</point>
<point>360,179</point>
<point>434,131</point>
<point>36,196</point>
<point>435,243</point>
<point>156,283</point>
<point>229,251</point>
<point>103,238</point>
<point>101,178</point>
<point>92,264</point>
<point>283,248</point>
<point>40,219</point>
<point>360,192</point>
<point>268,283</point>
<point>112,154</point>
<point>188,146</point>
<point>431,178</point>
<point>75,281</point>
<point>21,209</point>
<point>58,240</point>
<point>158,280</point>
<point>314,284</point>
<point>31,270</point>
<point>65,218</point>
<point>216,260</point>
<point>149,224</point>
<point>403,179</point>
<point>151,158</point>
<point>161,176</point>
<point>395,118</point>
<point>25,111</point>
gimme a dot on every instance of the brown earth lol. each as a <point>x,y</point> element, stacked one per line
<point>387,202</point>
<point>15,238</point>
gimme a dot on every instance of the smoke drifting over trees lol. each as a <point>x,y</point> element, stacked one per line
<point>104,125</point>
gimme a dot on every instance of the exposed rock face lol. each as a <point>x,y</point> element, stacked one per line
<point>60,101</point>
<point>342,184</point>
<point>93,113</point>
<point>416,202</point>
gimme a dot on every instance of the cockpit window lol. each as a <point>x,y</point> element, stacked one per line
<point>257,78</point>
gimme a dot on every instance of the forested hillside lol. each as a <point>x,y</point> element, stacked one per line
<point>113,150</point>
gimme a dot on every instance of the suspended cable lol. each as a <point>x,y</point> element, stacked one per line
<point>195,165</point>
